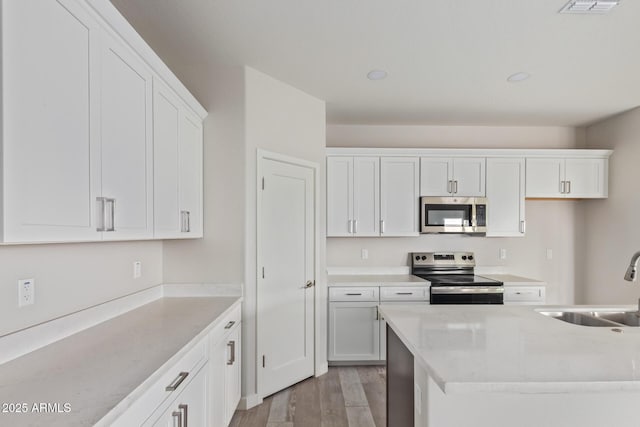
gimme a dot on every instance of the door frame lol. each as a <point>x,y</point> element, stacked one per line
<point>263,155</point>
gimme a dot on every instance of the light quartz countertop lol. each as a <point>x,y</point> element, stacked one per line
<point>511,280</point>
<point>515,349</point>
<point>376,280</point>
<point>93,370</point>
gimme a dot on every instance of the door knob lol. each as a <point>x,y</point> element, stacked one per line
<point>309,284</point>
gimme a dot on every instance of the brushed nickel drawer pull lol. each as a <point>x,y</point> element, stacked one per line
<point>178,415</point>
<point>185,408</point>
<point>353,294</point>
<point>232,347</point>
<point>404,293</point>
<point>176,383</point>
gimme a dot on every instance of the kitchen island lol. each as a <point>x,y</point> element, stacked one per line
<point>483,365</point>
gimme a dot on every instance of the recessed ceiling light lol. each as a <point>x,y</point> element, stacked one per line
<point>376,75</point>
<point>518,77</point>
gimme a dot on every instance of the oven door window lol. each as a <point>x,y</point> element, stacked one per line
<point>447,215</point>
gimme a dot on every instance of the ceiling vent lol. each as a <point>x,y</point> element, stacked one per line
<point>589,6</point>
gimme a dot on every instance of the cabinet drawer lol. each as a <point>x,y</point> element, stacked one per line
<point>524,294</point>
<point>226,325</point>
<point>171,383</point>
<point>404,293</point>
<point>369,293</point>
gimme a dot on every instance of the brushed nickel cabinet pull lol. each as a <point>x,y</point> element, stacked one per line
<point>176,383</point>
<point>185,411</point>
<point>178,415</point>
<point>232,347</point>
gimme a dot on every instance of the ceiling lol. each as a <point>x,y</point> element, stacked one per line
<point>447,61</point>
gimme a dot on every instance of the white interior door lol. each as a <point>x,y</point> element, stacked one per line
<point>286,245</point>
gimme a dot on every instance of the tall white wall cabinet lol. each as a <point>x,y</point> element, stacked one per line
<point>505,191</point>
<point>78,141</point>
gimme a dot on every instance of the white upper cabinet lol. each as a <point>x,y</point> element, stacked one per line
<point>567,177</point>
<point>177,166</point>
<point>399,195</point>
<point>457,176</point>
<point>77,127</point>
<point>353,196</point>
<point>126,142</point>
<point>372,196</point>
<point>505,197</point>
<point>50,163</point>
<point>339,196</point>
<point>366,196</point>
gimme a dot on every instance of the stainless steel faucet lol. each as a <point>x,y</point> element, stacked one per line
<point>631,273</point>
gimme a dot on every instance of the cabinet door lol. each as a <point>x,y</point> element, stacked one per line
<point>177,166</point>
<point>232,381</point>
<point>190,175</point>
<point>366,196</point>
<point>399,195</point>
<point>469,177</point>
<point>51,167</point>
<point>435,176</point>
<point>354,331</point>
<point>166,123</point>
<point>544,177</point>
<point>190,407</point>
<point>339,195</point>
<point>586,178</point>
<point>126,141</point>
<point>505,195</point>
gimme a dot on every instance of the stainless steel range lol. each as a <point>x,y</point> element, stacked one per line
<point>453,280</point>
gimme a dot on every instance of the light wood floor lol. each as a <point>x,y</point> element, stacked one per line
<point>344,397</point>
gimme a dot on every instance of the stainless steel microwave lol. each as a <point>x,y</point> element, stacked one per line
<point>453,215</point>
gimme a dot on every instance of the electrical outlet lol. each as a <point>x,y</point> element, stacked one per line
<point>137,269</point>
<point>26,292</point>
<point>549,254</point>
<point>503,253</point>
<point>365,254</point>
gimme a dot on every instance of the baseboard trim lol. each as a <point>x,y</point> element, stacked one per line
<point>322,369</point>
<point>248,402</point>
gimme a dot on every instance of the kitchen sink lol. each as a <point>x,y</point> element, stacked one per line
<point>596,318</point>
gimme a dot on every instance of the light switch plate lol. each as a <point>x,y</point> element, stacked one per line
<point>503,253</point>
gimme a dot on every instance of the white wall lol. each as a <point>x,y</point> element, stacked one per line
<point>71,277</point>
<point>284,120</point>
<point>609,229</point>
<point>550,224</point>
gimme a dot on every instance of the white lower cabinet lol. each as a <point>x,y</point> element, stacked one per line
<point>524,295</point>
<point>354,331</point>
<point>189,408</point>
<point>225,374</point>
<point>357,332</point>
<point>201,389</point>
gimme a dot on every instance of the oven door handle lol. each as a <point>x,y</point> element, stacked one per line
<point>463,290</point>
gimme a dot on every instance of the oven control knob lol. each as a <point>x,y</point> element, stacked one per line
<point>424,257</point>
<point>470,257</point>
<point>417,257</point>
<point>464,257</point>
